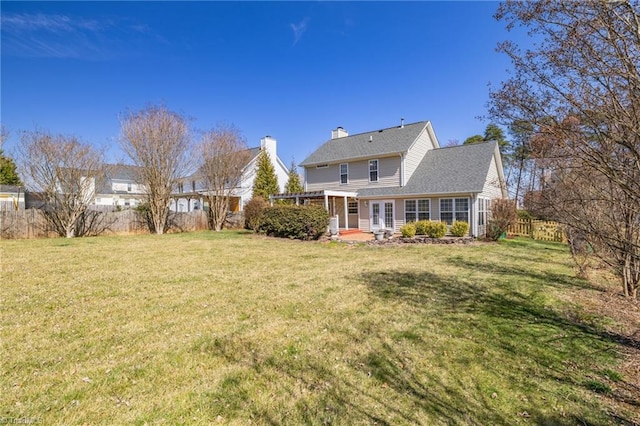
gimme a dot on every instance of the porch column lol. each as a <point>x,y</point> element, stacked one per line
<point>326,202</point>
<point>297,200</point>
<point>346,213</point>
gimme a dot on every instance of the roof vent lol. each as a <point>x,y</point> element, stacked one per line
<point>402,122</point>
<point>370,138</point>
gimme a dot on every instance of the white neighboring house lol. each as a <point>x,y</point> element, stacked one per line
<point>188,195</point>
<point>120,188</point>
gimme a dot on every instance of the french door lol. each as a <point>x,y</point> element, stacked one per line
<point>381,214</point>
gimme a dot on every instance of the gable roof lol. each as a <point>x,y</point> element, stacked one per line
<point>456,169</point>
<point>122,172</point>
<point>389,141</point>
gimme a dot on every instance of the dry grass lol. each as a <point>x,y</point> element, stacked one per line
<point>231,328</point>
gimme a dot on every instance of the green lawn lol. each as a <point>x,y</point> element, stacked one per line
<point>232,328</point>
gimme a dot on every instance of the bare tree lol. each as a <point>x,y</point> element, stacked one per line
<point>223,156</point>
<point>65,172</point>
<point>579,88</point>
<point>158,142</point>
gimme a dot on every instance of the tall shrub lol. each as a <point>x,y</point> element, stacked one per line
<point>503,215</point>
<point>253,212</point>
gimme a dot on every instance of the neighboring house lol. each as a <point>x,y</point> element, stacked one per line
<point>120,188</point>
<point>11,197</point>
<point>385,178</point>
<point>188,195</point>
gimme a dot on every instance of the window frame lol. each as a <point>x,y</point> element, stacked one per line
<point>419,214</point>
<point>344,174</point>
<point>376,170</point>
<point>455,211</point>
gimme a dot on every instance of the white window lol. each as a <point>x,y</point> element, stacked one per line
<point>353,207</point>
<point>484,205</point>
<point>344,173</point>
<point>454,209</point>
<point>415,210</point>
<point>128,187</point>
<point>373,170</point>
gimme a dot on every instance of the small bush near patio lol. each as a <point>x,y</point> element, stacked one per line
<point>408,230</point>
<point>297,222</point>
<point>436,229</point>
<point>459,228</point>
<point>421,227</point>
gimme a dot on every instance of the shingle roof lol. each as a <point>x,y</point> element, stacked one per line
<point>392,140</point>
<point>456,169</point>
<point>122,172</point>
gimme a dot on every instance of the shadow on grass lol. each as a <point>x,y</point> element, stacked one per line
<point>514,324</point>
<point>541,352</point>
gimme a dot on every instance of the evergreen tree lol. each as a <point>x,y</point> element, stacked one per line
<point>266,182</point>
<point>8,172</point>
<point>491,133</point>
<point>293,184</point>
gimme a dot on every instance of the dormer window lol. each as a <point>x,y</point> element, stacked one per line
<point>373,170</point>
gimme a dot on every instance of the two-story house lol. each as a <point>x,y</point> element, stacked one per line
<point>385,178</point>
<point>188,194</point>
<point>120,188</point>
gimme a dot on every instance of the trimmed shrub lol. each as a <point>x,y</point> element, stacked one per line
<point>459,228</point>
<point>436,229</point>
<point>252,212</point>
<point>297,222</point>
<point>408,230</point>
<point>421,227</point>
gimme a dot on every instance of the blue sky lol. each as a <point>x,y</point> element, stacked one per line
<point>292,70</point>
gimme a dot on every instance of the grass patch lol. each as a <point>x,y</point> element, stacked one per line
<point>233,328</point>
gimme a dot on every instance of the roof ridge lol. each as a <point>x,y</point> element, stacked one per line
<point>465,145</point>
<point>382,130</point>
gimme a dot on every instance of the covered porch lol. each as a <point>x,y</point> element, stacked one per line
<point>342,205</point>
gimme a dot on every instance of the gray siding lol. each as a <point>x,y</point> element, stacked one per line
<point>328,178</point>
<point>491,188</point>
<point>416,154</point>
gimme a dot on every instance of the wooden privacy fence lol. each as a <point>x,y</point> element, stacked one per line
<point>31,223</point>
<point>538,230</point>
